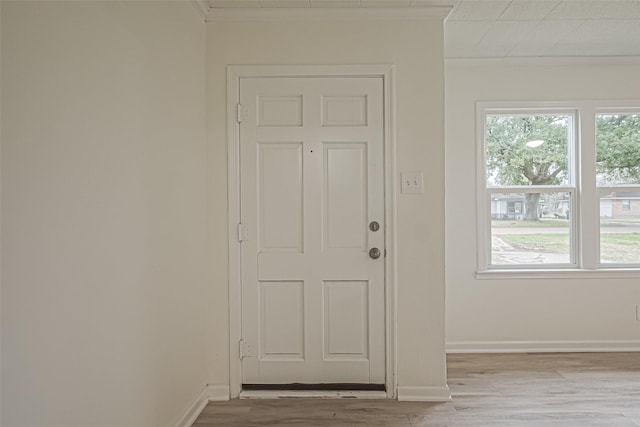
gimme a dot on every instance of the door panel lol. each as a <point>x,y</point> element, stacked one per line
<point>280,111</point>
<point>282,330</point>
<point>345,196</point>
<point>312,179</point>
<point>344,110</point>
<point>280,197</point>
<point>346,319</point>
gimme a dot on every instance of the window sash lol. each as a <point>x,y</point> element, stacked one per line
<point>574,253</point>
<point>615,188</point>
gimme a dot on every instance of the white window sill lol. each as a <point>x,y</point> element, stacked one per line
<point>576,273</point>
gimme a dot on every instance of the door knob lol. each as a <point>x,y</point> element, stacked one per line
<point>374,253</point>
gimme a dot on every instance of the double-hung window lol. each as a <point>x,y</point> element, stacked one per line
<point>558,186</point>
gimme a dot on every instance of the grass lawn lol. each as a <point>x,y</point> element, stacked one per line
<point>620,247</point>
<point>616,247</point>
<point>541,223</point>
<point>605,221</point>
<point>549,243</point>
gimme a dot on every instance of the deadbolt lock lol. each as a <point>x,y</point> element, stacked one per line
<point>374,226</point>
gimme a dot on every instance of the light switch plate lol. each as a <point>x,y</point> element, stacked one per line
<point>412,182</point>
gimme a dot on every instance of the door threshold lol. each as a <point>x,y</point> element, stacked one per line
<point>316,394</point>
<point>317,386</point>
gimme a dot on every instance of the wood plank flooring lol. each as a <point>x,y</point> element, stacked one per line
<point>544,389</point>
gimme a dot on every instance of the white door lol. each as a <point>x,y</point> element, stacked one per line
<point>312,181</point>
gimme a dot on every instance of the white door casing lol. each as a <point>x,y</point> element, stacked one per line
<point>311,181</point>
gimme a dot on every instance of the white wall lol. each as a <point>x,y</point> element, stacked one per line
<point>103,213</point>
<point>416,49</point>
<point>549,313</point>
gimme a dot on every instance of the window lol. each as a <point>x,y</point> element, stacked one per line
<point>618,180</point>
<point>515,207</point>
<point>556,185</point>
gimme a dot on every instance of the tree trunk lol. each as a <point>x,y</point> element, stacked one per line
<point>531,206</point>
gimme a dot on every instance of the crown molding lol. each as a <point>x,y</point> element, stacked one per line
<point>429,13</point>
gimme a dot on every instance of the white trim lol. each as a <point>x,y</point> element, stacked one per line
<point>515,189</point>
<point>386,72</point>
<point>195,409</point>
<point>621,187</point>
<point>233,201</point>
<point>429,13</point>
<point>390,230</point>
<point>601,273</point>
<point>218,392</point>
<point>364,70</point>
<point>541,346</point>
<point>483,230</point>
<point>589,201</point>
<point>328,394</point>
<point>424,393</point>
<point>209,393</point>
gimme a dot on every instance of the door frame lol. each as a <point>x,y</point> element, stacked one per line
<point>234,74</point>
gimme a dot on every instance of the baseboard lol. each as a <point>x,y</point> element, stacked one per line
<point>195,409</point>
<point>424,393</point>
<point>541,346</point>
<point>209,393</point>
<point>317,394</point>
<point>218,392</point>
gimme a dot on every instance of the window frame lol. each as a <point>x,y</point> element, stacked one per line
<point>612,108</point>
<point>584,193</point>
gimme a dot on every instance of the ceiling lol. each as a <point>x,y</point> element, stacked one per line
<point>510,28</point>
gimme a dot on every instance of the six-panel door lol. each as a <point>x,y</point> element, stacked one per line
<point>312,180</point>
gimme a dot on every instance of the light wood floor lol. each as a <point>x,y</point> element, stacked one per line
<point>549,389</point>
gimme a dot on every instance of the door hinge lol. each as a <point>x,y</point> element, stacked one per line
<point>242,113</point>
<point>243,232</point>
<point>244,349</point>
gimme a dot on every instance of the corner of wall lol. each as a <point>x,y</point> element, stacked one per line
<point>195,409</point>
<point>201,7</point>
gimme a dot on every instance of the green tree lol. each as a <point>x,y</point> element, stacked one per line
<point>511,161</point>
<point>618,148</point>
